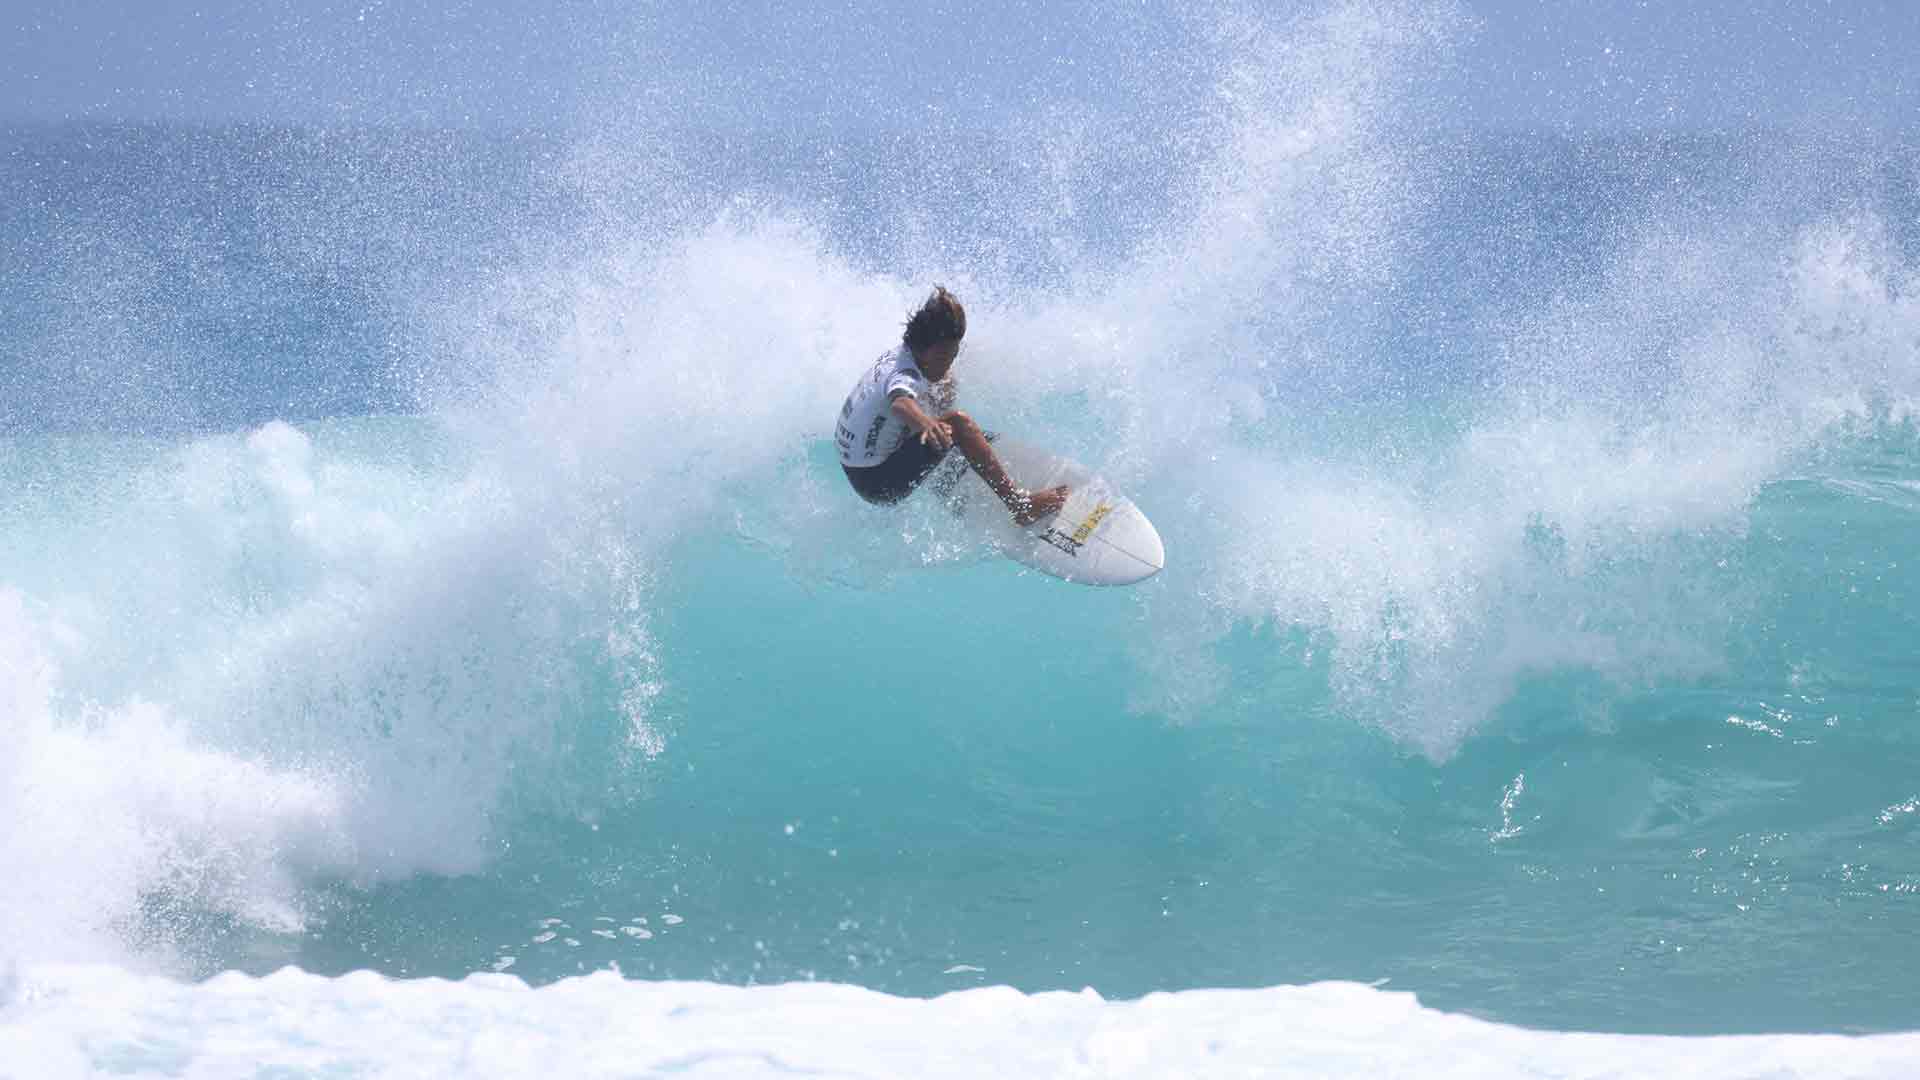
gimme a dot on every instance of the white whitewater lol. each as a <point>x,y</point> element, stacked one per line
<point>72,1021</point>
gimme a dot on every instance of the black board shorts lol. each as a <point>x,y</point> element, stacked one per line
<point>895,478</point>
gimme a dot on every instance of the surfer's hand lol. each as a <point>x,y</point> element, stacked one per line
<point>937,434</point>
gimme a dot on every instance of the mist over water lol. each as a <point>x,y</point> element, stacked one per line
<point>426,552</point>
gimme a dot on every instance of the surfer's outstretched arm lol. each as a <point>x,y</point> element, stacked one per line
<point>958,429</point>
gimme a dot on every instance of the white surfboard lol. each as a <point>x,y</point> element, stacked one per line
<point>1098,538</point>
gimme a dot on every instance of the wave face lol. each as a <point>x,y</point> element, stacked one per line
<point>426,553</point>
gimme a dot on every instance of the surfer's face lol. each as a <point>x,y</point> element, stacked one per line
<point>936,359</point>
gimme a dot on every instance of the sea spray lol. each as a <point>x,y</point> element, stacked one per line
<point>439,555</point>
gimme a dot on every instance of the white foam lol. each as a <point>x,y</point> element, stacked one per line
<point>71,1021</point>
<point>316,687</point>
<point>106,810</point>
<point>1581,513</point>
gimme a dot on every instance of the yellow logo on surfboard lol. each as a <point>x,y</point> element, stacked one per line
<point>1093,522</point>
<point>1070,543</point>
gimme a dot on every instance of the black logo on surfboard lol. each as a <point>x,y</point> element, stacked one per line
<point>1062,541</point>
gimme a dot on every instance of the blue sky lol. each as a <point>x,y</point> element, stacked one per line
<point>481,63</point>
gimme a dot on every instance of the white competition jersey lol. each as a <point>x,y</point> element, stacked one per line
<point>869,430</point>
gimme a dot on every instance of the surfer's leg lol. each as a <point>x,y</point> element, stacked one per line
<point>896,477</point>
<point>1027,507</point>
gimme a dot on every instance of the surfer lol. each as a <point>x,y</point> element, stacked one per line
<point>909,392</point>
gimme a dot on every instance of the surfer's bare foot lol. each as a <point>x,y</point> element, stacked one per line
<point>1031,506</point>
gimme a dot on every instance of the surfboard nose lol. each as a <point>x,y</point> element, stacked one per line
<point>1152,551</point>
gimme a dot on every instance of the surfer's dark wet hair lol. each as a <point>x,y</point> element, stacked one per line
<point>940,319</point>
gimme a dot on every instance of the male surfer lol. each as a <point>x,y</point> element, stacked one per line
<point>907,392</point>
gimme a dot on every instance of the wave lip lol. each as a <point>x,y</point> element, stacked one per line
<point>78,1020</point>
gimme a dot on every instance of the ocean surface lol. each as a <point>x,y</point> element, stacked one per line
<point>424,554</point>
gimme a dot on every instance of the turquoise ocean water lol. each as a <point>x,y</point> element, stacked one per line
<point>425,553</point>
